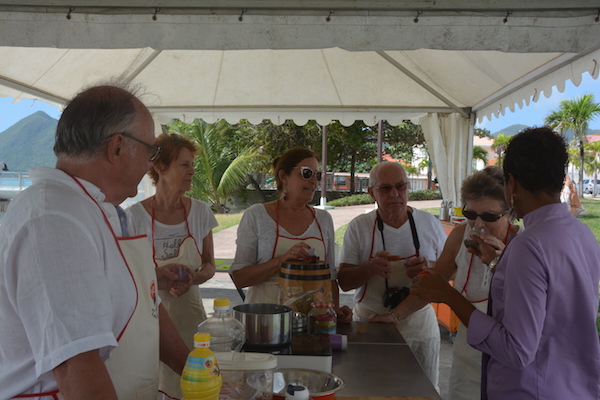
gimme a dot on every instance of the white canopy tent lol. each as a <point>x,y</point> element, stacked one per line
<point>444,63</point>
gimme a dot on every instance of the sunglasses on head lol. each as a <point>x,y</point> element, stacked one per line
<point>486,217</point>
<point>307,173</point>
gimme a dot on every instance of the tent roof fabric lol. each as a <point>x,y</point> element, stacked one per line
<point>278,60</point>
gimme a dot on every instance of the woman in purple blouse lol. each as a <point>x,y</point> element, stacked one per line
<point>539,336</point>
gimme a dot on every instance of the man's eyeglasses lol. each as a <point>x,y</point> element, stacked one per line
<point>486,217</point>
<point>400,187</point>
<point>307,173</point>
<point>156,149</point>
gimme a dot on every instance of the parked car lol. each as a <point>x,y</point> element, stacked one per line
<point>588,186</point>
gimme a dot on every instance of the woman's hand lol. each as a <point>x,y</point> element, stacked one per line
<point>176,278</point>
<point>299,251</point>
<point>430,285</point>
<point>344,314</point>
<point>490,247</point>
<point>388,318</point>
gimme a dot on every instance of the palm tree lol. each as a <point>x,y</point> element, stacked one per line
<point>500,144</point>
<point>593,148</point>
<point>218,172</point>
<point>479,153</point>
<point>575,115</point>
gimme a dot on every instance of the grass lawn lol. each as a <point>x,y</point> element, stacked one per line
<point>591,219</point>
<point>227,220</point>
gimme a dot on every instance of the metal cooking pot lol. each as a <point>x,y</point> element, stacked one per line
<point>266,324</point>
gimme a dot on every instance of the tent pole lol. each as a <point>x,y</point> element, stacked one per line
<point>380,141</point>
<point>472,120</point>
<point>323,202</point>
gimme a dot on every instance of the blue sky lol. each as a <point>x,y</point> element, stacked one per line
<point>532,115</point>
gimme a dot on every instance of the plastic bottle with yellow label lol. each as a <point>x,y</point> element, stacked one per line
<point>201,377</point>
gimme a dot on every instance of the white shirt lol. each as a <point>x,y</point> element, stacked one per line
<point>257,233</point>
<point>167,238</point>
<point>360,243</point>
<point>64,287</point>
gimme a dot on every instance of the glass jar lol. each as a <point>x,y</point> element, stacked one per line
<point>322,318</point>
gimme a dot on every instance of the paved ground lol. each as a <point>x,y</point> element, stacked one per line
<point>221,285</point>
<point>225,240</point>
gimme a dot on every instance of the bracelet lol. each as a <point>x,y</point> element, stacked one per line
<point>492,264</point>
<point>395,317</point>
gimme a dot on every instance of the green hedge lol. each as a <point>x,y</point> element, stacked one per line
<point>365,198</point>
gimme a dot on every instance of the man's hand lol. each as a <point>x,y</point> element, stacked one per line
<point>380,264</point>
<point>415,265</point>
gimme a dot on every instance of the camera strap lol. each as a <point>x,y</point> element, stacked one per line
<point>413,231</point>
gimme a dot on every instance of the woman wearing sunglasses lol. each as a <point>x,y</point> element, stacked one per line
<point>470,260</point>
<point>539,337</point>
<point>285,229</point>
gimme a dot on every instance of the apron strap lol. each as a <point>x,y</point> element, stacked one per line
<point>53,393</point>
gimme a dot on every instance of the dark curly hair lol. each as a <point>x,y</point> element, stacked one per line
<point>489,182</point>
<point>288,160</point>
<point>537,158</point>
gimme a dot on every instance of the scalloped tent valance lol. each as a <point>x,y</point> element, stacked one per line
<point>443,63</point>
<point>325,60</point>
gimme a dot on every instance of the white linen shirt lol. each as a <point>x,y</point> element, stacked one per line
<point>64,287</point>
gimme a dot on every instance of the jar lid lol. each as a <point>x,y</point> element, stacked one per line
<point>235,361</point>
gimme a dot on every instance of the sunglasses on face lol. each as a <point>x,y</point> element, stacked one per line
<point>400,187</point>
<point>307,173</point>
<point>486,217</point>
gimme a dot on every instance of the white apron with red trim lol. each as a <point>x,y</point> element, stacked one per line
<point>419,329</point>
<point>133,365</point>
<point>186,311</point>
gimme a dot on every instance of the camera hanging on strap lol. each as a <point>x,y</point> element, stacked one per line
<point>392,296</point>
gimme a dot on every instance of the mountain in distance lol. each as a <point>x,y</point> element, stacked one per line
<point>29,142</point>
<point>516,128</point>
<point>510,130</point>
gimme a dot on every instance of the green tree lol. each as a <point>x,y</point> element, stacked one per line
<point>218,170</point>
<point>351,148</point>
<point>500,144</point>
<point>483,133</point>
<point>274,140</point>
<point>576,115</point>
<point>593,150</point>
<point>479,153</point>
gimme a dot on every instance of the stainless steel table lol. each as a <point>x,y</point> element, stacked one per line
<point>379,363</point>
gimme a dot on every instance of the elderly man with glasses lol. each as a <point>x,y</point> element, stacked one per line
<point>382,251</point>
<point>74,289</point>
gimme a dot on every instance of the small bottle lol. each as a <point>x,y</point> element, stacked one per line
<point>322,318</point>
<point>201,377</point>
<point>227,333</point>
